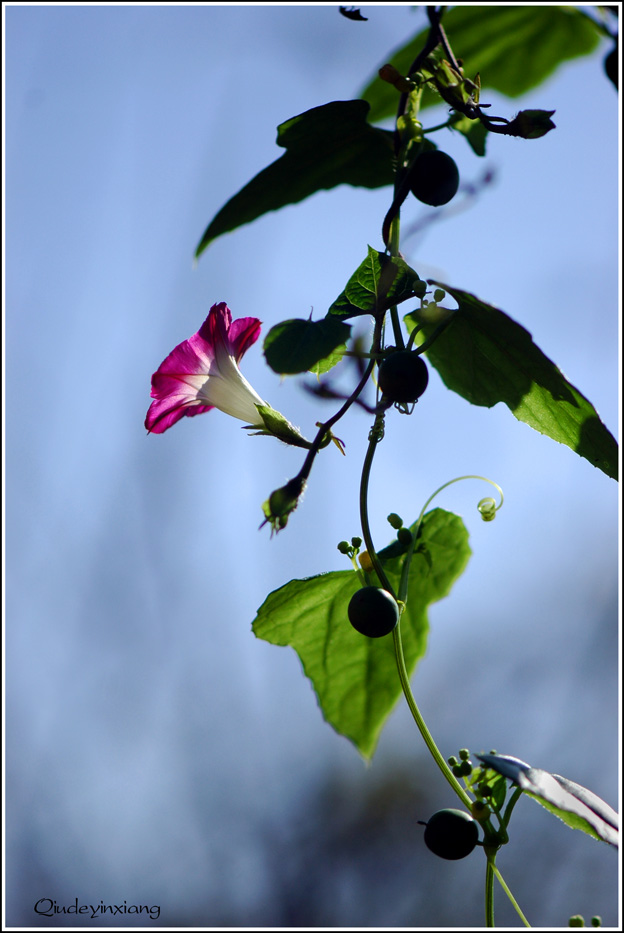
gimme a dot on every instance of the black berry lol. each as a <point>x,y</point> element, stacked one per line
<point>434,178</point>
<point>373,612</point>
<point>451,834</point>
<point>403,376</point>
<point>611,65</point>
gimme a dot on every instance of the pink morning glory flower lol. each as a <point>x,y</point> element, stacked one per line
<point>202,373</point>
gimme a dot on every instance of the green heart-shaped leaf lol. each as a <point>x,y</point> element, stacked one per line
<point>355,678</point>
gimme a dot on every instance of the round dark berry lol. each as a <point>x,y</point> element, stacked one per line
<point>434,178</point>
<point>403,376</point>
<point>451,834</point>
<point>373,612</point>
<point>610,65</point>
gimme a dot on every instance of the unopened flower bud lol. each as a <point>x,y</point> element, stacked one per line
<point>365,562</point>
<point>390,74</point>
<point>281,503</point>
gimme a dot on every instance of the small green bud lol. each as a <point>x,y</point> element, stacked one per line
<point>439,294</point>
<point>419,288</point>
<point>480,810</point>
<point>464,754</point>
<point>365,562</point>
<point>596,921</point>
<point>356,542</point>
<point>410,130</point>
<point>405,536</point>
<point>395,520</point>
<point>453,761</point>
<point>576,921</point>
<point>344,547</point>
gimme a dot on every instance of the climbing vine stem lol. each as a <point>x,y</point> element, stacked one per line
<point>487,508</point>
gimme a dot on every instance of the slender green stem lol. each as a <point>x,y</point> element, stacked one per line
<point>489,895</point>
<point>440,126</point>
<point>515,797</point>
<point>434,336</point>
<point>395,229</point>
<point>420,722</point>
<point>458,479</point>
<point>410,551</point>
<point>398,647</point>
<point>327,425</point>
<point>375,436</point>
<point>395,235</point>
<point>503,885</point>
<point>396,328</point>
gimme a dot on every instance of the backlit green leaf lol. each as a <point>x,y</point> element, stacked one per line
<point>487,357</point>
<point>355,678</point>
<point>377,284</point>
<point>326,146</point>
<point>577,806</point>
<point>297,346</point>
<point>473,130</point>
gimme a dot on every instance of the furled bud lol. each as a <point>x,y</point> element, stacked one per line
<point>390,74</point>
<point>281,503</point>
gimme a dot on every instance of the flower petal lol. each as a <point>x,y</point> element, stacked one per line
<point>236,336</point>
<point>243,333</point>
<point>202,373</point>
<point>228,390</point>
<point>164,413</point>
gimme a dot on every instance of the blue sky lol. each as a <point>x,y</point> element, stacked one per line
<point>137,696</point>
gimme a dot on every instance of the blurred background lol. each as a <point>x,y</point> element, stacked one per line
<point>157,753</point>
